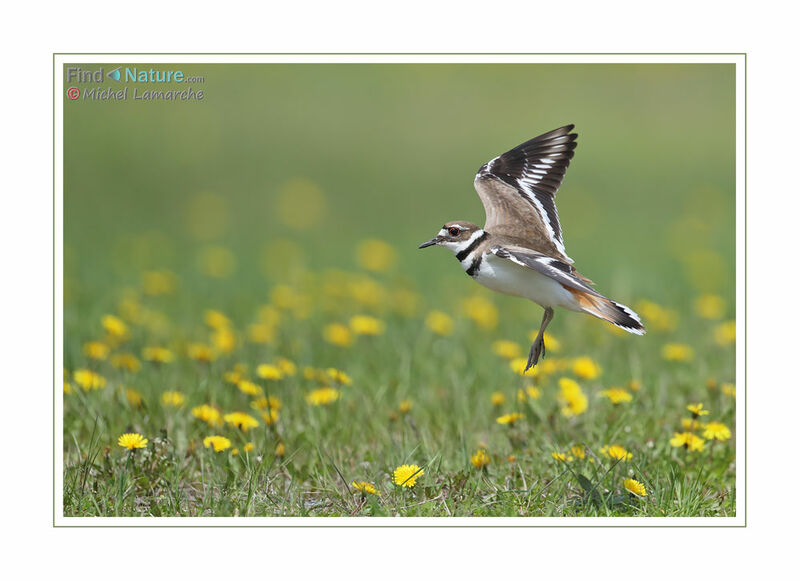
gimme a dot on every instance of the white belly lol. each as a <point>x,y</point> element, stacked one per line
<point>506,277</point>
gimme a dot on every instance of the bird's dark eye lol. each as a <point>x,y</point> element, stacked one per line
<point>453,231</point>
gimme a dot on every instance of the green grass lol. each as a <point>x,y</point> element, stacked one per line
<point>648,213</point>
<point>364,436</point>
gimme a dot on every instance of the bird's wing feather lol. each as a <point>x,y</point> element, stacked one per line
<point>518,190</point>
<point>590,300</point>
<point>554,268</point>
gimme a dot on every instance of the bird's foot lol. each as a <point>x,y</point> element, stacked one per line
<point>537,350</point>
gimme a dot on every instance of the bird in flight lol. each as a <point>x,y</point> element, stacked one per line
<point>520,250</point>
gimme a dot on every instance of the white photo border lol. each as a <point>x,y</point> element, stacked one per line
<point>60,59</point>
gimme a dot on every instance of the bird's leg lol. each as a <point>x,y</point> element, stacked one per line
<point>537,348</point>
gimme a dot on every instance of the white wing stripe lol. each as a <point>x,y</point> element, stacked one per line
<point>525,187</point>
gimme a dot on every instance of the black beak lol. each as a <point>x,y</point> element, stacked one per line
<point>430,242</point>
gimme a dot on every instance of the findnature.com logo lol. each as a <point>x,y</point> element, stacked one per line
<point>134,76</point>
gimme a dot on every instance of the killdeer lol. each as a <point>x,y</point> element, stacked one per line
<point>520,250</point>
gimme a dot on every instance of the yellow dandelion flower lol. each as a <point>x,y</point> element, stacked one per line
<point>115,327</point>
<point>264,403</point>
<point>285,297</point>
<point>710,306</point>
<point>208,414</point>
<point>677,352</point>
<point>96,349</point>
<point>270,372</point>
<point>511,458</point>
<point>533,392</point>
<point>366,292</point>
<point>658,318</point>
<point>507,349</point>
<point>530,391</point>
<point>261,333</point>
<point>634,385</point>
<point>481,310</point>
<point>224,340</point>
<point>338,376</point>
<point>552,344</point>
<point>159,282</point>
<point>553,365</point>
<point>314,374</point>
<point>586,368</point>
<point>173,399</point>
<point>157,354</point>
<point>688,441</point>
<point>578,451</point>
<point>67,388</point>
<point>132,441</point>
<point>616,395</point>
<point>249,447</point>
<point>286,366</point>
<point>134,397</point>
<point>725,334</point>
<point>364,487</point>
<point>439,322</point>
<point>510,419</point>
<point>236,374</point>
<point>337,334</point>
<point>365,325</point>
<point>616,452</point>
<point>697,410</point>
<point>561,457</point>
<point>241,420</point>
<point>322,396</point>
<point>88,380</point>
<point>375,255</point>
<point>200,352</point>
<point>249,388</point>
<point>280,450</point>
<point>690,424</point>
<point>405,406</point>
<point>270,417</point>
<point>634,487</point>
<point>218,443</point>
<point>127,361</point>
<point>407,474</point>
<point>480,459</point>
<point>728,389</point>
<point>573,401</point>
<point>235,452</point>
<point>518,366</point>
<point>716,431</point>
<point>498,399</point>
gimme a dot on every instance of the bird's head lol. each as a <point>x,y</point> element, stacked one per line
<point>454,235</point>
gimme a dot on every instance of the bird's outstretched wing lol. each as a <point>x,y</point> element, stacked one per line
<point>518,190</point>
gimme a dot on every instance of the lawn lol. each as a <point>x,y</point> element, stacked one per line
<point>242,289</point>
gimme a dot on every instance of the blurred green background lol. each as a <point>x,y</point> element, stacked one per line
<point>321,156</point>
